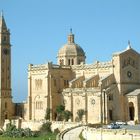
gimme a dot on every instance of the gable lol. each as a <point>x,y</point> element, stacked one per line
<point>129,58</point>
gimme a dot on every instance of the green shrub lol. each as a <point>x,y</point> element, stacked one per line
<point>67,114</point>
<point>80,136</point>
<point>56,131</point>
<point>59,110</point>
<point>12,131</point>
<point>47,115</point>
<point>46,127</point>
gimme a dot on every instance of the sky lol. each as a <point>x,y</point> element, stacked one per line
<point>39,28</point>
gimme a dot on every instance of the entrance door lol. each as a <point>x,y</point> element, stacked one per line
<point>131,111</point>
<point>110,115</point>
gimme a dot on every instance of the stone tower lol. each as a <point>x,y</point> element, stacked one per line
<point>71,53</point>
<point>6,105</point>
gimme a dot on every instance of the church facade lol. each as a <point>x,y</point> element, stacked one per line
<point>106,91</point>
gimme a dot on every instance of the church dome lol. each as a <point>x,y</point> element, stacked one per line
<point>71,48</point>
<point>71,53</point>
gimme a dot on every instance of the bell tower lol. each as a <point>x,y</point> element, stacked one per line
<point>6,105</point>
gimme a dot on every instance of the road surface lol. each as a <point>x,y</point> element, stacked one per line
<point>73,134</point>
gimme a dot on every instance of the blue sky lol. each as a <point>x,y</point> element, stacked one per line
<point>40,27</point>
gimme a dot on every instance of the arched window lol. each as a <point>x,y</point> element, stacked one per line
<point>39,105</point>
<point>5,105</point>
<point>110,97</point>
<point>72,62</point>
<point>61,62</point>
<point>79,61</point>
<point>4,38</point>
<point>6,116</point>
<point>68,61</point>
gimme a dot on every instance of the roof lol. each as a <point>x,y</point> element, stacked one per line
<point>71,48</point>
<point>127,49</point>
<point>135,92</point>
<point>2,22</point>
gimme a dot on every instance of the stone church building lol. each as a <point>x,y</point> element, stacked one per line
<point>106,91</point>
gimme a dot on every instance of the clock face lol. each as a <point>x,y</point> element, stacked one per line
<point>129,74</point>
<point>6,51</point>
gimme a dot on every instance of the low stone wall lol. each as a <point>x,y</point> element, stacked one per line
<point>110,134</point>
<point>63,125</point>
<point>36,125</point>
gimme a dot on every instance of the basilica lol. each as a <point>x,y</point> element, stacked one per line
<point>106,91</point>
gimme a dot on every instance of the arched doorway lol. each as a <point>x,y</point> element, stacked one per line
<point>131,111</point>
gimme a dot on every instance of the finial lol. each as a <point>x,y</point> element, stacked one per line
<point>70,30</point>
<point>129,42</point>
<point>129,45</point>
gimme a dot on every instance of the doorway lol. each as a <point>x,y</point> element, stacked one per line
<point>131,111</point>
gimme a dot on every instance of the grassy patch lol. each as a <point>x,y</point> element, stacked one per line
<point>52,136</point>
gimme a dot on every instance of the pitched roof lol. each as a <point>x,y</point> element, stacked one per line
<point>135,92</point>
<point>2,22</point>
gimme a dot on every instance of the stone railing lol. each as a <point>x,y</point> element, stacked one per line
<point>93,66</point>
<point>94,89</point>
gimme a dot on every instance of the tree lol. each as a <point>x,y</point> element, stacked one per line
<point>67,114</point>
<point>47,115</point>
<point>46,127</point>
<point>80,114</point>
<point>59,110</point>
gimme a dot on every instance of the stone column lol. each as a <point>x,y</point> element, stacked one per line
<point>50,96</point>
<point>86,107</point>
<point>29,98</point>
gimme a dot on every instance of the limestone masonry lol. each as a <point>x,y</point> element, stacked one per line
<point>106,91</point>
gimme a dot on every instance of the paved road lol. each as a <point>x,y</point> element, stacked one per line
<point>73,134</point>
<point>129,127</point>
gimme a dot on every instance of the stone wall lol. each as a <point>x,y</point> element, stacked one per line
<point>110,134</point>
<point>36,125</point>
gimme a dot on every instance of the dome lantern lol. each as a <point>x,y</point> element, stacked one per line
<point>70,37</point>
